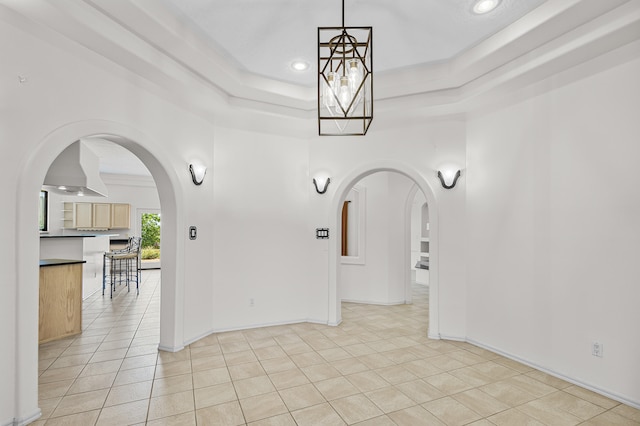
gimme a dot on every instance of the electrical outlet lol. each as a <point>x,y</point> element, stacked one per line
<point>251,303</point>
<point>597,349</point>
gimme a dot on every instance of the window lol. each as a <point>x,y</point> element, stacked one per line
<point>43,212</point>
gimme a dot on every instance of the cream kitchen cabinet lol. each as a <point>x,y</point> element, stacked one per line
<point>96,216</point>
<point>120,216</point>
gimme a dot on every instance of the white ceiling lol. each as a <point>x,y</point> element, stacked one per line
<point>264,37</point>
<point>115,159</point>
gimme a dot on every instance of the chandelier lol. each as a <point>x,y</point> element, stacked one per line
<point>345,80</point>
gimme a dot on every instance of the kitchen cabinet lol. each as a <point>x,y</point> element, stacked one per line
<point>96,216</point>
<point>120,216</point>
<point>83,215</point>
<point>101,217</point>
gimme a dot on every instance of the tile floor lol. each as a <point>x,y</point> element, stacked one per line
<point>377,368</point>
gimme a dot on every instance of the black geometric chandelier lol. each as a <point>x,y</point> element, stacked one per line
<point>345,80</point>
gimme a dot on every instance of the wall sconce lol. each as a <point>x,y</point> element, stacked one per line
<point>197,173</point>
<point>321,184</point>
<point>448,179</point>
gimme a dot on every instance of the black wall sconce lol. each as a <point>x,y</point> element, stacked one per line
<point>322,183</point>
<point>451,178</point>
<point>197,173</point>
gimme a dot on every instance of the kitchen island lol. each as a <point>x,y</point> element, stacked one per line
<point>88,247</point>
<point>60,305</point>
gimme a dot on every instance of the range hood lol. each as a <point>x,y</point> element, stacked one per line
<point>76,172</point>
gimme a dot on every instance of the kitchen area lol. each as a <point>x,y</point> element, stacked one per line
<point>78,225</point>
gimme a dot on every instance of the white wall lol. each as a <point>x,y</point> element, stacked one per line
<point>553,208</point>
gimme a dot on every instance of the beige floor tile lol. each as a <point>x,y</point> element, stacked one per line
<point>59,374</point>
<point>531,385</point>
<point>114,344</point>
<point>129,393</point>
<point>48,405</point>
<point>205,351</point>
<point>367,381</point>
<point>420,391</point>
<point>300,397</point>
<point>70,361</point>
<point>390,399</point>
<point>101,368</point>
<point>142,350</point>
<point>171,357</point>
<point>472,376</point>
<point>628,412</point>
<point>262,342</point>
<point>378,421</point>
<point>134,375</point>
<point>451,412</point>
<point>253,386</point>
<point>349,366</point>
<point>269,352</point>
<point>318,372</point>
<point>318,415</point>
<point>279,420</point>
<point>170,405</point>
<point>185,419</point>
<point>480,402</point>
<point>262,406</point>
<point>507,393</point>
<point>375,361</point>
<point>336,388</point>
<point>514,365</point>
<point>572,404</point>
<point>548,379</point>
<point>307,359</point>
<point>414,416</point>
<point>277,365</point>
<point>242,357</point>
<point>214,395</point>
<point>175,368</point>
<point>211,377</point>
<point>124,414</point>
<point>355,408</point>
<point>54,389</point>
<point>89,383</point>
<point>87,401</point>
<point>80,419</point>
<point>610,418</point>
<point>592,397</point>
<point>113,354</point>
<point>173,384</point>
<point>246,371</point>
<point>396,374</point>
<point>207,363</point>
<point>513,417</point>
<point>447,384</point>
<point>548,415</point>
<point>334,354</point>
<point>235,346</point>
<point>139,361</point>
<point>288,379</point>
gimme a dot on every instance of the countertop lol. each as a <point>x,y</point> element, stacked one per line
<point>57,262</point>
<point>78,236</point>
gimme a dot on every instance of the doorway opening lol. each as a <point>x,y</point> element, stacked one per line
<point>150,227</point>
<point>385,215</point>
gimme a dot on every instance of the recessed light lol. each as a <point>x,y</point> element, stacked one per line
<point>485,6</point>
<point>300,65</point>
<point>62,188</point>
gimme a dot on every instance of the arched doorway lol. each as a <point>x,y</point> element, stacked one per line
<point>340,195</point>
<point>29,184</point>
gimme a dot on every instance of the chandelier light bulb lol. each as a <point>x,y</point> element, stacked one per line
<point>345,93</point>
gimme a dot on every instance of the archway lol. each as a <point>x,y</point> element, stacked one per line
<point>335,247</point>
<point>29,184</point>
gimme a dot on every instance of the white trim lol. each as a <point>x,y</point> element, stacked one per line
<point>603,392</point>
<point>170,348</point>
<point>25,420</point>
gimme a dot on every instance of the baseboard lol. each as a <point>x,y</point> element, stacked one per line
<point>170,348</point>
<point>24,420</point>
<point>367,302</point>
<point>596,389</point>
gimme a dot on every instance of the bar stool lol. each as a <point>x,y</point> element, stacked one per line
<point>122,265</point>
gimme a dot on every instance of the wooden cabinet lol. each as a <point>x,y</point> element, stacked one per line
<point>120,216</point>
<point>60,307</point>
<point>83,215</point>
<point>101,215</point>
<point>96,216</point>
